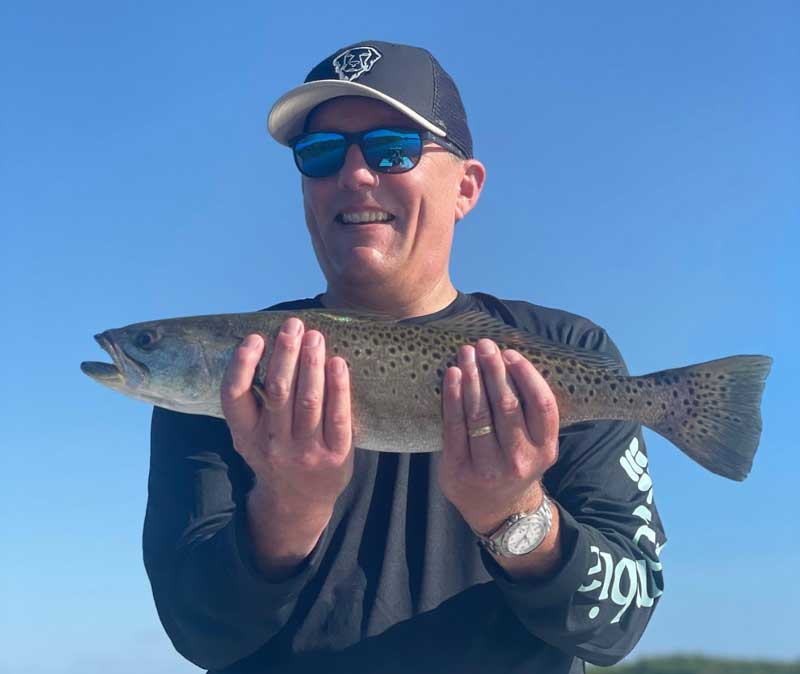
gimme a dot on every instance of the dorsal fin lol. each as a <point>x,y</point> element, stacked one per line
<point>475,324</point>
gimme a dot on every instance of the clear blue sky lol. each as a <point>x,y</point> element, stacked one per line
<point>642,170</point>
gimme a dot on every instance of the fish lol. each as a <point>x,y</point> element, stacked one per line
<point>711,411</point>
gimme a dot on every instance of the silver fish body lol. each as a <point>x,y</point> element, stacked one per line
<point>711,411</point>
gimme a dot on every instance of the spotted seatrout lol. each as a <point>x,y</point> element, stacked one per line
<point>711,411</point>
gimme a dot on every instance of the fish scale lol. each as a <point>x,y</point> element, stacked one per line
<point>711,411</point>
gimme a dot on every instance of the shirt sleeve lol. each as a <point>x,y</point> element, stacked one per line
<point>211,599</point>
<point>598,603</point>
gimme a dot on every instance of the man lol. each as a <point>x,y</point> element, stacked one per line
<point>273,545</point>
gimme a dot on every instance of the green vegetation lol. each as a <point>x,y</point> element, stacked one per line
<point>699,664</point>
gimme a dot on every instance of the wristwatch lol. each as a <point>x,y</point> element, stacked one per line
<point>521,533</point>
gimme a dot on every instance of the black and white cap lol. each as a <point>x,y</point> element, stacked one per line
<point>407,78</point>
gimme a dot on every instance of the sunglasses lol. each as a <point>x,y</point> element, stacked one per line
<point>320,154</point>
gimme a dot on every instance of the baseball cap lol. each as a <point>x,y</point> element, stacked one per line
<point>407,78</point>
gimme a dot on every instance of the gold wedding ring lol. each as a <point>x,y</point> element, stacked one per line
<point>483,430</point>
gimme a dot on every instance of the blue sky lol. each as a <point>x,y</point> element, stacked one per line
<point>642,171</point>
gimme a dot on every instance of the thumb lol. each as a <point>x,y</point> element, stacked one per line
<point>238,404</point>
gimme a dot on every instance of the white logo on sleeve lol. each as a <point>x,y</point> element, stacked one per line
<point>353,63</point>
<point>625,582</point>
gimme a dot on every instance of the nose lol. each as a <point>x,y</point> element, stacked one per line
<point>355,173</point>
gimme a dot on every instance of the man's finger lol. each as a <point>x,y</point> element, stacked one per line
<point>483,447</point>
<point>310,386</point>
<point>541,409</point>
<point>337,427</point>
<point>453,422</point>
<point>280,379</point>
<point>238,404</point>
<point>509,418</point>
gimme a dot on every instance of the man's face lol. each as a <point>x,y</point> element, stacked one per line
<point>408,231</point>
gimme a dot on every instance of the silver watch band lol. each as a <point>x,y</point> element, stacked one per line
<point>495,542</point>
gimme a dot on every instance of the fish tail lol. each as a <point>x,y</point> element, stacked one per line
<point>712,411</point>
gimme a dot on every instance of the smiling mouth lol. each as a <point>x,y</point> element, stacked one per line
<point>364,217</point>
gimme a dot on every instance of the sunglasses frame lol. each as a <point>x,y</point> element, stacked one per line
<point>357,138</point>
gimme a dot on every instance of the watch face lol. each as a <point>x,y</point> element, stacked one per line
<point>524,536</point>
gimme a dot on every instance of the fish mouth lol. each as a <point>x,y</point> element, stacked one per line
<point>113,373</point>
<point>102,372</point>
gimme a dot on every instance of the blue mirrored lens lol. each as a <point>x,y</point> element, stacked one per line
<point>390,150</point>
<point>320,154</point>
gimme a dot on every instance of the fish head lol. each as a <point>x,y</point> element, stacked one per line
<point>161,362</point>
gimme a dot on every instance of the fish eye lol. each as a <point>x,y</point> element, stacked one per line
<point>145,340</point>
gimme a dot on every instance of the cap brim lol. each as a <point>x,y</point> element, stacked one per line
<point>289,113</point>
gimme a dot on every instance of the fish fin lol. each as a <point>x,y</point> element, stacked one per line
<point>722,432</point>
<point>347,316</point>
<point>473,325</point>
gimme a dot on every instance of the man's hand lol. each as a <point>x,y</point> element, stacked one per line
<point>297,439</point>
<point>492,476</point>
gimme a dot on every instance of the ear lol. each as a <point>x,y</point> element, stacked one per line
<point>473,175</point>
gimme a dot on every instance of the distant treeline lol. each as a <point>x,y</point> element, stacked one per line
<point>698,664</point>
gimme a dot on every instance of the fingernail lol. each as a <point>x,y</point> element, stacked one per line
<point>252,341</point>
<point>511,356</point>
<point>291,327</point>
<point>312,339</point>
<point>467,354</point>
<point>337,366</point>
<point>486,347</point>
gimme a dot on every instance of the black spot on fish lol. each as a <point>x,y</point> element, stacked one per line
<point>571,388</point>
<point>439,372</point>
<point>545,373</point>
<point>437,390</point>
<point>613,387</point>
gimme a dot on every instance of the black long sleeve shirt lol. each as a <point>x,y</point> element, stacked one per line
<point>397,583</point>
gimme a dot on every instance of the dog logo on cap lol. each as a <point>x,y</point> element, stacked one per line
<point>353,63</point>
